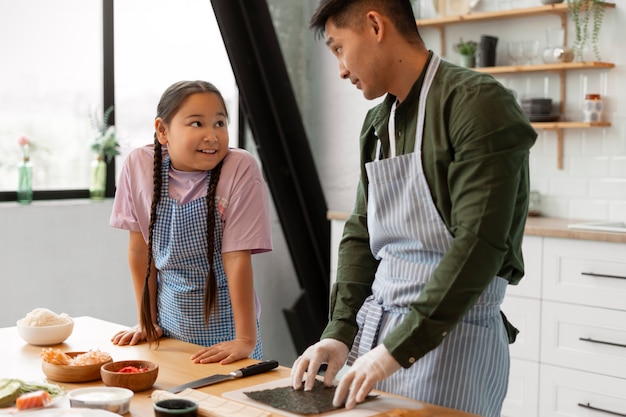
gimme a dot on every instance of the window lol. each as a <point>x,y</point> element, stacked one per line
<point>157,43</point>
<point>52,81</point>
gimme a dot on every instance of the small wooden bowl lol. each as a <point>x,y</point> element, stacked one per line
<point>135,381</point>
<point>72,373</point>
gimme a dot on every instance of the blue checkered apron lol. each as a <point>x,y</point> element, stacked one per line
<point>469,369</point>
<point>180,245</point>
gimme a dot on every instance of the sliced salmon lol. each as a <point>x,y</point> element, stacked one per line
<point>33,399</point>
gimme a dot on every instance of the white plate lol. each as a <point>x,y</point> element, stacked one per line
<point>602,226</point>
<point>63,412</point>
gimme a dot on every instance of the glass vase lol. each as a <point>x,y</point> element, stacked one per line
<point>97,188</point>
<point>25,182</point>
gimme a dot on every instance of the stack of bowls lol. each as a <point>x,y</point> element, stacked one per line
<point>538,109</point>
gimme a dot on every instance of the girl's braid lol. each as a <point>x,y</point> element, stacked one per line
<point>147,323</point>
<point>210,292</point>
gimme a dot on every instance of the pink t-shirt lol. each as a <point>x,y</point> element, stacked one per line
<point>241,192</point>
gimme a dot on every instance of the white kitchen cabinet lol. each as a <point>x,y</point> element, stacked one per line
<point>530,285</point>
<point>590,339</point>
<point>525,315</point>
<point>572,393</point>
<point>576,324</point>
<point>585,272</point>
<point>522,398</point>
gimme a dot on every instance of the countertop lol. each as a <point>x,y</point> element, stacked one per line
<point>542,226</point>
<point>23,361</point>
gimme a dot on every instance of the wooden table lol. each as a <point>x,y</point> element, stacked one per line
<point>21,360</point>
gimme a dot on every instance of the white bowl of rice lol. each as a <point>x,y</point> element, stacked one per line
<point>42,327</point>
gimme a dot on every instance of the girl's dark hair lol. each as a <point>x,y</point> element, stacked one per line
<point>349,13</point>
<point>169,104</point>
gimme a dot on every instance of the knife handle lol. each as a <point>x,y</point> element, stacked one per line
<point>257,368</point>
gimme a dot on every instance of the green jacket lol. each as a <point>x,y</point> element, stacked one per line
<point>475,158</point>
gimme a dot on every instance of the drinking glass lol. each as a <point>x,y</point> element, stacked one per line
<point>515,51</point>
<point>530,51</point>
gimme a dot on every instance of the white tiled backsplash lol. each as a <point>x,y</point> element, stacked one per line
<point>592,183</point>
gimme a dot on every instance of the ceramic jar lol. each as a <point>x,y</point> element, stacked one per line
<point>592,108</point>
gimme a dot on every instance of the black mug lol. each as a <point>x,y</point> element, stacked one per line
<point>487,51</point>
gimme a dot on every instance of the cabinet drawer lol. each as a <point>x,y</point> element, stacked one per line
<point>585,272</point>
<point>524,313</point>
<point>522,397</point>
<point>585,338</point>
<point>530,285</point>
<point>565,392</point>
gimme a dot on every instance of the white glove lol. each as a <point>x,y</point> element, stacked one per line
<point>365,372</point>
<point>328,351</point>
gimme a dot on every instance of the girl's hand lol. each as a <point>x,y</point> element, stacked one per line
<point>132,336</point>
<point>225,352</point>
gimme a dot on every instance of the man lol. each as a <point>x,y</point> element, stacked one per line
<point>435,235</point>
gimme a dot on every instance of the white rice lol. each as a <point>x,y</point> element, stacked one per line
<point>44,317</point>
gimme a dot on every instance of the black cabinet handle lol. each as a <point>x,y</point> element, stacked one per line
<point>589,406</point>
<point>588,339</point>
<point>592,274</point>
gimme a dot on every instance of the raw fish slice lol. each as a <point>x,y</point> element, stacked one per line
<point>33,399</point>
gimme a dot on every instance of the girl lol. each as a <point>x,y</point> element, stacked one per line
<point>194,224</point>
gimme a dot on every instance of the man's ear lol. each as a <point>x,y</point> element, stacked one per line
<point>375,24</point>
<point>161,130</point>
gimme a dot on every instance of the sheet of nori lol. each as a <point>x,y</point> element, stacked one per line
<point>317,401</point>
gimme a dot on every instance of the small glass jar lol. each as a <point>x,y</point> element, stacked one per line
<point>592,108</point>
<point>534,203</point>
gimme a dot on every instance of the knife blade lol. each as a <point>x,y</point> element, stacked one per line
<point>254,369</point>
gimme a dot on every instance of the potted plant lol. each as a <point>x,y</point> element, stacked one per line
<point>105,148</point>
<point>467,51</point>
<point>587,16</point>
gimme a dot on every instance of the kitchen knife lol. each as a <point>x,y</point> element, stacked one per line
<point>257,368</point>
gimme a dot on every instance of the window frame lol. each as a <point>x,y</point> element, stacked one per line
<point>108,88</point>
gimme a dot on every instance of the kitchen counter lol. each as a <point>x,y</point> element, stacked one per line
<point>542,226</point>
<point>557,227</point>
<point>21,360</point>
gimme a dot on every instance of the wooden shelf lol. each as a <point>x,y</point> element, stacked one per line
<point>558,9</point>
<point>558,127</point>
<point>565,66</point>
<point>568,125</point>
<point>561,10</point>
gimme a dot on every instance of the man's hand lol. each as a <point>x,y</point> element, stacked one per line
<point>366,371</point>
<point>329,351</point>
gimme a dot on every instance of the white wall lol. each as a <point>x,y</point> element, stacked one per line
<point>63,256</point>
<point>592,184</point>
